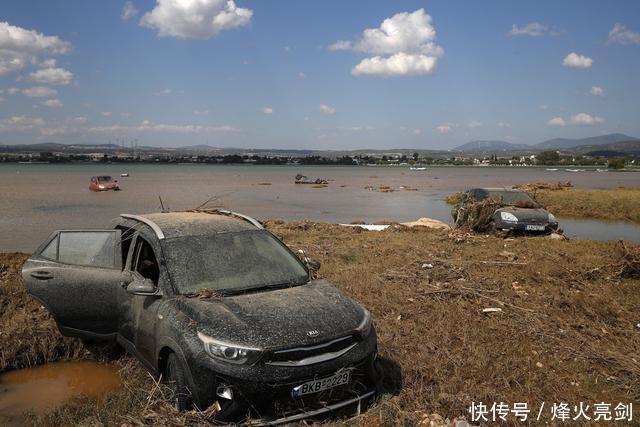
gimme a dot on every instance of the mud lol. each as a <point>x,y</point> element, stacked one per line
<point>42,388</point>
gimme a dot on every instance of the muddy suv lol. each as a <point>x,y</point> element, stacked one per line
<point>217,306</point>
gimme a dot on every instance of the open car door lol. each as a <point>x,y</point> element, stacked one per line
<point>76,274</point>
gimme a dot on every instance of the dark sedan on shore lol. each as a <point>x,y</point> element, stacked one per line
<point>215,305</point>
<point>519,212</point>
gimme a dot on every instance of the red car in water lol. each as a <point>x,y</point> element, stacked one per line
<point>103,183</point>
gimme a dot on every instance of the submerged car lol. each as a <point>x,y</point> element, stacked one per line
<point>103,183</point>
<point>217,306</point>
<point>520,213</point>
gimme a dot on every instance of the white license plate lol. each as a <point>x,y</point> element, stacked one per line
<point>322,384</point>
<point>534,227</point>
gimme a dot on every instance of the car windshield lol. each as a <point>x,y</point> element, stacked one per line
<point>513,198</point>
<point>232,262</point>
<point>103,179</point>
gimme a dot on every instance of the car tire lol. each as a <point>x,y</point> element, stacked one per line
<point>176,378</point>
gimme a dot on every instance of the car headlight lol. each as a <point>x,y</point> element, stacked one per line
<point>231,353</point>
<point>552,218</point>
<point>364,328</point>
<point>508,216</point>
<point>101,187</point>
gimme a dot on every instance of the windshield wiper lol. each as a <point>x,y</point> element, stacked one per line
<point>283,285</point>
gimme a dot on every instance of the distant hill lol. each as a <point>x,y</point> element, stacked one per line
<point>563,143</point>
<point>617,149</point>
<point>201,147</point>
<point>484,146</point>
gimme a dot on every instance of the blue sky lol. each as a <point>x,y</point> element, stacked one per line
<point>272,74</point>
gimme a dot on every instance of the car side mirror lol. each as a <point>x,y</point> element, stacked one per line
<point>312,264</point>
<point>142,287</point>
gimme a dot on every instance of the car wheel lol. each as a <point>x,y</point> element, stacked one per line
<point>176,378</point>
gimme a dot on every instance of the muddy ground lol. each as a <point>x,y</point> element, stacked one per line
<point>568,329</point>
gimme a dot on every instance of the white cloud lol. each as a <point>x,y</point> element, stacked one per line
<point>106,113</point>
<point>20,123</point>
<point>287,49</point>
<point>10,90</point>
<point>327,109</point>
<point>400,64</point>
<point>128,11</point>
<point>301,76</point>
<point>76,120</point>
<point>597,91</point>
<point>557,122</point>
<point>445,127</point>
<point>55,76</point>
<point>164,92</point>
<point>20,47</point>
<point>52,103</point>
<point>267,110</point>
<point>417,131</point>
<point>48,63</point>
<point>200,19</point>
<point>475,124</point>
<point>586,119</point>
<point>151,127</point>
<point>620,34</point>
<point>533,29</point>
<point>403,45</point>
<point>503,125</point>
<point>39,92</point>
<point>573,60</point>
<point>340,45</point>
<point>201,112</point>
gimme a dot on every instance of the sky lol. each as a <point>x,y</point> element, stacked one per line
<point>317,75</point>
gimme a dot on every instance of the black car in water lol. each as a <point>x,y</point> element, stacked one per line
<point>217,306</point>
<point>519,212</point>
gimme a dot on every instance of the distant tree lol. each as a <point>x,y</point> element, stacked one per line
<point>416,156</point>
<point>548,157</point>
<point>616,163</point>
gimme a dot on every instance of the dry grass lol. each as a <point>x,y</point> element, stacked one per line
<point>618,204</point>
<point>567,331</point>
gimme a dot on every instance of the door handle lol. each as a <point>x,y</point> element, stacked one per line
<point>42,275</point>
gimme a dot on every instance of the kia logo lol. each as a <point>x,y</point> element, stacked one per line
<point>313,333</point>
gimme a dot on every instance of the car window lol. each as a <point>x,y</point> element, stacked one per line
<point>231,262</point>
<point>102,179</point>
<point>145,261</point>
<point>51,251</point>
<point>91,248</point>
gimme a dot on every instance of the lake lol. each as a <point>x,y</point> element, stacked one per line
<point>40,198</point>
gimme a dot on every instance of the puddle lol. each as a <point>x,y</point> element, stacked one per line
<point>45,387</point>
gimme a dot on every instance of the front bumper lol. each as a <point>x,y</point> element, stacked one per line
<point>267,389</point>
<point>524,226</point>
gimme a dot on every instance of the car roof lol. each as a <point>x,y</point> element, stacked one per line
<point>167,225</point>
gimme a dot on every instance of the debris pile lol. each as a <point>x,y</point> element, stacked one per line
<point>478,216</point>
<point>533,187</point>
<point>629,265</point>
<point>303,179</point>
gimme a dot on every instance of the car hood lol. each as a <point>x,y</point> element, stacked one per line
<point>526,214</point>
<point>276,318</point>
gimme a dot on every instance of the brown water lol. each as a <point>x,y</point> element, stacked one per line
<point>37,199</point>
<point>45,387</point>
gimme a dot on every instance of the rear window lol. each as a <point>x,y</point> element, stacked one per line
<point>90,248</point>
<point>103,179</point>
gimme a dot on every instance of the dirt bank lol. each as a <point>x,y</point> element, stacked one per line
<point>567,330</point>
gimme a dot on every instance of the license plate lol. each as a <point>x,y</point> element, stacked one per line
<point>534,227</point>
<point>317,386</point>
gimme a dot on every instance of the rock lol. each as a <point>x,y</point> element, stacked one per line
<point>427,222</point>
<point>427,266</point>
<point>508,255</point>
<point>539,365</point>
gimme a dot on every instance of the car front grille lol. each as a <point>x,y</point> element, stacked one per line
<point>308,355</point>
